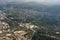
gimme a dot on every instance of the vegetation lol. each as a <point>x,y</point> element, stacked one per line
<point>34,15</point>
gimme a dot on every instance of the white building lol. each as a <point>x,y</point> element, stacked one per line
<point>20,32</point>
<point>28,25</point>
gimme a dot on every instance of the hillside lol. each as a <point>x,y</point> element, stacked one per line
<point>45,17</point>
<point>38,10</point>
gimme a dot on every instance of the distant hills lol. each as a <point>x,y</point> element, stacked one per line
<point>46,12</point>
<point>34,6</point>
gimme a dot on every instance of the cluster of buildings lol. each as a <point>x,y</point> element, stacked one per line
<point>17,35</point>
<point>4,27</point>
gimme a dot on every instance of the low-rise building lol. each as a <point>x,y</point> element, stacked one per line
<point>28,25</point>
<point>20,32</point>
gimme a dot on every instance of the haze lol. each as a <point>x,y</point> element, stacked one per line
<point>40,1</point>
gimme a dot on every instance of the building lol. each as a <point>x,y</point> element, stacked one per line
<point>28,25</point>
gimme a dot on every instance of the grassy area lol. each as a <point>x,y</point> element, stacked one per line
<point>42,37</point>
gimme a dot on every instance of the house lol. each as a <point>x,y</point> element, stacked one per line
<point>8,35</point>
<point>1,32</point>
<point>22,33</point>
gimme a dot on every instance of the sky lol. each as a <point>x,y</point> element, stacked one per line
<point>40,1</point>
<point>46,1</point>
